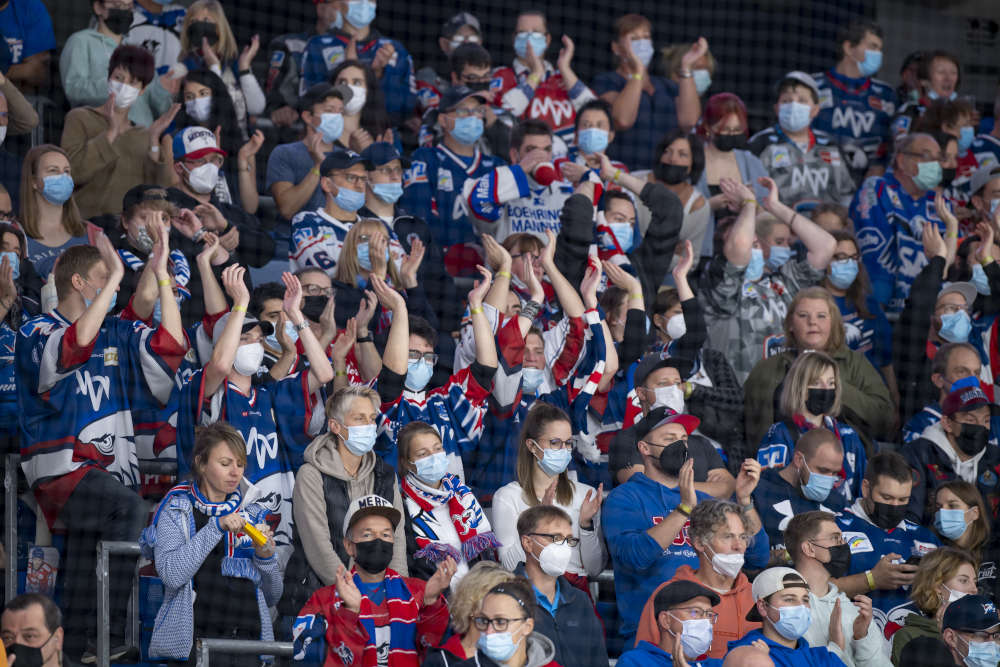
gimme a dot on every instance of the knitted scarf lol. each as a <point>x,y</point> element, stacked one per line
<point>403,613</point>
<point>182,270</point>
<point>471,524</point>
<point>239,548</point>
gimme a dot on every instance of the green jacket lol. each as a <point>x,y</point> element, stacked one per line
<point>864,398</point>
<point>916,625</point>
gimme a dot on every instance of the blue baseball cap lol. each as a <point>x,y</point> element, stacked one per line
<point>455,95</point>
<point>382,152</point>
<point>341,159</point>
<point>970,613</point>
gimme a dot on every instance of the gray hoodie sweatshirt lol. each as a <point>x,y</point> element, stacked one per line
<point>309,506</point>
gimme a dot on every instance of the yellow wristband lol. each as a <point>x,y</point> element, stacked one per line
<point>504,274</point>
<point>315,170</point>
<point>683,509</point>
<point>618,173</point>
<point>749,201</point>
<point>534,79</point>
<point>239,309</point>
<point>163,282</point>
<point>987,260</point>
<point>951,235</point>
<point>340,374</point>
<point>635,77</point>
<point>871,579</point>
<point>636,295</point>
<point>474,311</point>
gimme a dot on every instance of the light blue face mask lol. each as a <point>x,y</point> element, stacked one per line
<point>994,204</point>
<point>643,50</point>
<point>57,189</point>
<point>364,255</point>
<point>499,646</point>
<point>702,80</point>
<point>431,469</point>
<point>349,200</point>
<point>554,461</point>
<point>928,175</point>
<point>934,96</point>
<point>871,64</point>
<point>965,138</point>
<point>467,130</point>
<point>360,12</point>
<point>778,256</point>
<point>15,263</point>
<point>536,39</point>
<point>980,280</point>
<point>331,126</point>
<point>950,523</point>
<point>111,306</point>
<point>755,269</point>
<point>361,439</point>
<point>624,232</point>
<point>531,379</point>
<point>388,192</point>
<point>955,327</point>
<point>290,333</point>
<point>418,374</point>
<point>819,486</point>
<point>843,273</point>
<point>794,116</point>
<point>793,622</point>
<point>593,140</point>
<point>982,654</point>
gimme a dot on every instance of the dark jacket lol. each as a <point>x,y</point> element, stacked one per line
<point>256,247</point>
<point>720,406</point>
<point>575,630</point>
<point>909,358</point>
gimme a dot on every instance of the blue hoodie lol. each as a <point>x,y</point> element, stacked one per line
<point>647,655</point>
<point>802,655</point>
<point>640,563</point>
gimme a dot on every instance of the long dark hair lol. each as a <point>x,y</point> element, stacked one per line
<point>223,113</point>
<point>860,288</point>
<point>540,415</point>
<point>374,118</point>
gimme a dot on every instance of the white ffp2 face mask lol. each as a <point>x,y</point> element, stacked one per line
<point>670,397</point>
<point>203,179</point>
<point>125,95</point>
<point>248,358</point>
<point>359,95</point>
<point>554,559</point>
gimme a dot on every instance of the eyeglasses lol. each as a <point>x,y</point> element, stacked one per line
<point>925,156</point>
<point>355,179</point>
<point>693,614</point>
<point>429,357</point>
<point>466,112</point>
<point>317,290</point>
<point>556,443</point>
<point>840,257</point>
<point>499,624</point>
<point>683,439</point>
<point>837,541</point>
<point>391,172</point>
<point>558,539</point>
<point>529,257</point>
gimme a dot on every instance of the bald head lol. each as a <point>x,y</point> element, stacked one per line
<point>747,656</point>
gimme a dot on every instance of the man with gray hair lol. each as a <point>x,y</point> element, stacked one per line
<point>719,532</point>
<point>889,213</point>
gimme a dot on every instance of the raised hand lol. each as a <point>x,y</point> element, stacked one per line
<point>772,199</point>
<point>250,148</point>
<point>591,281</point>
<point>534,61</point>
<point>383,57</point>
<point>934,245</point>
<point>366,310</point>
<point>378,247</point>
<point>686,484</point>
<point>747,479</point>
<point>211,57</point>
<point>160,125</point>
<point>111,259</point>
<point>608,170</point>
<point>116,124</point>
<point>481,287</point>
<point>267,549</point>
<point>622,278</point>
<point>234,284</point>
<point>591,504</point>
<point>345,341</point>
<point>411,263</point>
<point>864,618</point>
<point>314,144</point>
<point>279,332</point>
<point>389,298</point>
<point>695,53</point>
<point>565,59</point>
<point>549,497</point>
<point>685,261</point>
<point>327,318</point>
<point>439,581</point>
<point>360,140</point>
<point>230,240</point>
<point>293,297</point>
<point>211,218</point>
<point>348,590</point>
<point>8,290</point>
<point>248,53</point>
<point>187,223</point>
<point>735,192</point>
<point>231,523</point>
<point>210,245</point>
<point>572,171</point>
<point>836,630</point>
<point>497,257</point>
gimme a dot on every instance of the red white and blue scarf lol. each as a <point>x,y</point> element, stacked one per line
<point>473,528</point>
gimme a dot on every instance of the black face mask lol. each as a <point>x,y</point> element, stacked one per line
<point>728,142</point>
<point>671,174</point>
<point>673,457</point>
<point>313,307</point>
<point>202,29</point>
<point>947,176</point>
<point>840,559</point>
<point>972,438</point>
<point>119,20</point>
<point>26,655</point>
<point>820,401</point>
<point>373,556</point>
<point>886,516</point>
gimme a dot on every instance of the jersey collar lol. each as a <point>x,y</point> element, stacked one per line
<point>469,169</point>
<point>847,84</point>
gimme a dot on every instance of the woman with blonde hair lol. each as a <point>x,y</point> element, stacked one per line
<point>944,575</point>
<point>366,250</point>
<point>463,605</point>
<point>813,324</point>
<point>811,398</point>
<point>207,41</point>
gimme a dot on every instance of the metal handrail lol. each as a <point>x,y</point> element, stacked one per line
<point>204,647</point>
<point>104,552</point>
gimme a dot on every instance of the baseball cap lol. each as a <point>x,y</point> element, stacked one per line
<point>455,95</point>
<point>194,142</point>
<point>802,78</point>
<point>366,505</point>
<point>340,159</point>
<point>769,582</point>
<point>963,398</point>
<point>249,322</point>
<point>382,152</point>
<point>970,613</point>
<point>968,290</point>
<point>144,193</point>
<point>980,177</point>
<point>655,360</point>
<point>457,22</point>
<point>677,592</point>
<point>321,91</point>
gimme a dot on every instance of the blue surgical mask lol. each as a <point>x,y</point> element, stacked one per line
<point>499,646</point>
<point>778,256</point>
<point>871,64</point>
<point>955,327</point>
<point>361,439</point>
<point>623,231</point>
<point>965,138</point>
<point>418,374</point>
<point>554,461</point>
<point>360,12</point>
<point>331,126</point>
<point>57,189</point>
<point>431,469</point>
<point>755,269</point>
<point>934,96</point>
<point>468,130</point>
<point>290,333</point>
<point>980,280</point>
<point>531,379</point>
<point>15,263</point>
<point>349,200</point>
<point>364,255</point>
<point>593,140</point>
<point>536,39</point>
<point>928,175</point>
<point>643,50</point>
<point>702,80</point>
<point>111,306</point>
<point>388,192</point>
<point>843,273</point>
<point>794,116</point>
<point>793,621</point>
<point>819,486</point>
<point>994,204</point>
<point>950,523</point>
<point>982,654</point>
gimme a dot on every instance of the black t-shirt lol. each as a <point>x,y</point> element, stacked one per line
<point>223,606</point>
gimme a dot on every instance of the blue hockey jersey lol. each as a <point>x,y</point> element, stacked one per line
<point>318,237</point>
<point>777,502</point>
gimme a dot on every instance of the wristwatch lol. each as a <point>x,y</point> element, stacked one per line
<point>303,325</point>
